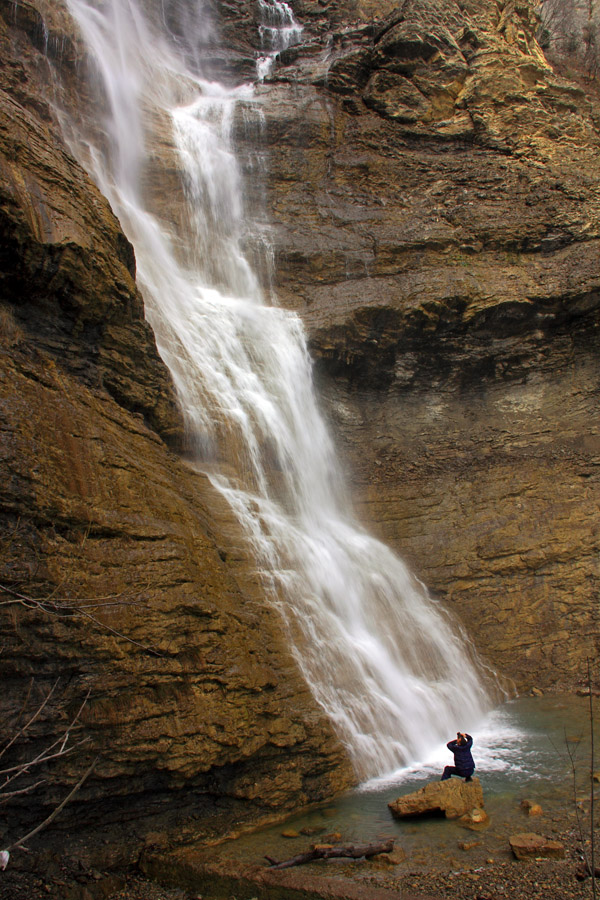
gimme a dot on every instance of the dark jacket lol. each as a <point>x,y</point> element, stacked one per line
<point>462,756</point>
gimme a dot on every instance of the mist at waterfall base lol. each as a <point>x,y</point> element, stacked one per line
<point>521,753</point>
<point>390,670</point>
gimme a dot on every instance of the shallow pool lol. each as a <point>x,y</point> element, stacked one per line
<point>522,752</point>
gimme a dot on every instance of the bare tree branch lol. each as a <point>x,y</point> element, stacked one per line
<point>63,609</point>
<point>35,716</point>
<point>48,753</point>
<point>55,812</point>
<point>4,797</point>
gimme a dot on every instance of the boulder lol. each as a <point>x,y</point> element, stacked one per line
<point>453,798</point>
<point>535,846</point>
<point>475,819</point>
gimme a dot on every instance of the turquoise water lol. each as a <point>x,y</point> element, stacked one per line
<point>521,752</point>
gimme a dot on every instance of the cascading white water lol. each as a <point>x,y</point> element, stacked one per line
<point>278,30</point>
<point>378,654</point>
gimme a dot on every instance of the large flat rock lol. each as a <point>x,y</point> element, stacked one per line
<point>454,798</point>
<point>535,846</point>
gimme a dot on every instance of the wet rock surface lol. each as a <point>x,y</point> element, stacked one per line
<point>529,845</point>
<point>453,798</point>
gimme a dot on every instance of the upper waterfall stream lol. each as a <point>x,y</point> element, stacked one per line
<point>379,655</point>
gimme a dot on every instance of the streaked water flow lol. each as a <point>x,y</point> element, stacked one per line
<point>379,655</point>
<point>278,30</point>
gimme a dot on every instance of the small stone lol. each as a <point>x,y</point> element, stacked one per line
<point>333,836</point>
<point>536,692</point>
<point>468,845</point>
<point>309,830</point>
<point>535,846</point>
<point>290,833</point>
<point>478,816</point>
<point>531,808</point>
<point>475,819</point>
<point>453,798</point>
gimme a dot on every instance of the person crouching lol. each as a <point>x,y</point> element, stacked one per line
<point>464,765</point>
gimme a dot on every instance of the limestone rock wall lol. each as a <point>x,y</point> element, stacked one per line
<point>435,197</point>
<point>124,580</point>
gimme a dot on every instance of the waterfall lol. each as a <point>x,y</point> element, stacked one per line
<point>278,30</point>
<point>378,654</point>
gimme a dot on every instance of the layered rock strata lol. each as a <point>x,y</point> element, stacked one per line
<point>435,197</point>
<point>129,608</point>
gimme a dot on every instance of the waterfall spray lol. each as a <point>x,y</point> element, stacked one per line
<point>378,654</point>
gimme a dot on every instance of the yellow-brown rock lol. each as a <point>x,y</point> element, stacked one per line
<point>531,808</point>
<point>126,592</point>
<point>475,819</point>
<point>436,201</point>
<point>453,797</point>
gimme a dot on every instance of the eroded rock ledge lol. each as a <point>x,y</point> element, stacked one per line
<point>195,708</point>
<point>435,199</point>
<point>434,195</point>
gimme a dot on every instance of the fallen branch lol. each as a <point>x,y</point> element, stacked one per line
<point>327,851</point>
<point>56,811</point>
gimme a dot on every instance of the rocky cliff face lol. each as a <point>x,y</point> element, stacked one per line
<point>126,593</point>
<point>435,198</point>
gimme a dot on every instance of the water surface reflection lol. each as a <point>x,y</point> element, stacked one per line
<point>521,751</point>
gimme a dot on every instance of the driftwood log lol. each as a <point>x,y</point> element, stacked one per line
<point>328,851</point>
